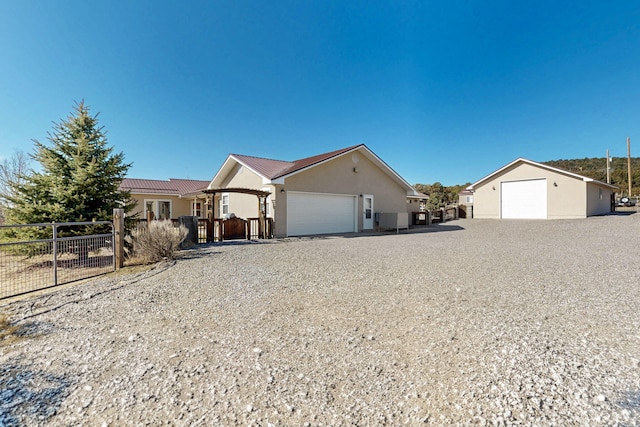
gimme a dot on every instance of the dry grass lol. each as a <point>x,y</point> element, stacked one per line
<point>8,333</point>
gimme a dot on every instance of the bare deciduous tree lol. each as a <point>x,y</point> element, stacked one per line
<point>12,173</point>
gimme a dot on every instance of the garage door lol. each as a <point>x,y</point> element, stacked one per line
<point>317,213</point>
<point>524,199</point>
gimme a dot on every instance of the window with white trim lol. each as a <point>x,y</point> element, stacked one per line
<point>196,209</point>
<point>224,205</point>
<point>161,209</point>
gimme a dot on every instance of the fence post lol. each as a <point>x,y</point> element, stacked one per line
<point>118,245</point>
<point>55,253</point>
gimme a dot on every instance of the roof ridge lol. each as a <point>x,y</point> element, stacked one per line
<point>329,153</point>
<point>188,179</point>
<point>261,158</point>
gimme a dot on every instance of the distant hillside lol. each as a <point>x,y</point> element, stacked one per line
<point>596,168</point>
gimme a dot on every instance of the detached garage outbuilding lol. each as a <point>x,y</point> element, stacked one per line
<point>524,189</point>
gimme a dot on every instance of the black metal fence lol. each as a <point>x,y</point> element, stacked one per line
<point>50,259</point>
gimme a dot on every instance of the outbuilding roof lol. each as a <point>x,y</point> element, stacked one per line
<point>540,165</point>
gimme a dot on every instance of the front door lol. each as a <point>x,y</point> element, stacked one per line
<point>367,212</point>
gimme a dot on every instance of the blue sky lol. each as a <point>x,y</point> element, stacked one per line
<point>442,91</point>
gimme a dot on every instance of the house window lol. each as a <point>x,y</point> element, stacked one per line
<point>600,193</point>
<point>469,199</point>
<point>196,209</point>
<point>224,205</point>
<point>149,206</point>
<point>164,209</point>
<point>161,209</point>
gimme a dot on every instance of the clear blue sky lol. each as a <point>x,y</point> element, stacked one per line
<point>442,91</point>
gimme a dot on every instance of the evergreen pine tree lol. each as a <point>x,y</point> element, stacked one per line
<point>79,176</point>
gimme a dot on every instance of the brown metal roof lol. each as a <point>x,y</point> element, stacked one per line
<point>309,161</point>
<point>272,169</point>
<point>176,187</point>
<point>266,167</point>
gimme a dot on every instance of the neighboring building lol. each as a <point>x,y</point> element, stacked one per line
<point>336,192</point>
<point>465,203</point>
<point>167,199</point>
<point>530,190</point>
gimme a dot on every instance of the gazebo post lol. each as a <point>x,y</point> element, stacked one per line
<point>260,218</point>
<point>262,208</point>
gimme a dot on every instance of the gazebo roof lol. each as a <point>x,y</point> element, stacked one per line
<point>259,193</point>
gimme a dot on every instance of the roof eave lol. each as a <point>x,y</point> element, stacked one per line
<point>227,167</point>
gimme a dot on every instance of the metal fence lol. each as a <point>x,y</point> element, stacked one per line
<point>28,264</point>
<point>204,228</point>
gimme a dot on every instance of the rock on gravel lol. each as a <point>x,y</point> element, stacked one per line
<point>472,322</point>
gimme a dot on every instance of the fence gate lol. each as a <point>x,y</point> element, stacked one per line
<point>39,256</point>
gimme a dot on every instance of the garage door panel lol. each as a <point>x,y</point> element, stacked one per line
<point>317,213</point>
<point>524,199</point>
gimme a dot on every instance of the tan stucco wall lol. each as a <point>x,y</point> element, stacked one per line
<point>179,206</point>
<point>598,199</point>
<point>566,196</point>
<point>337,176</point>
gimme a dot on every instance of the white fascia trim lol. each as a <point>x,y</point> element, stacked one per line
<point>222,168</point>
<point>251,169</point>
<point>227,167</point>
<point>274,181</point>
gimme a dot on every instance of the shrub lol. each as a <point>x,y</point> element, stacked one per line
<point>159,240</point>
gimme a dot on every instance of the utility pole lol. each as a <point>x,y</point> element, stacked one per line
<point>629,164</point>
<point>608,168</point>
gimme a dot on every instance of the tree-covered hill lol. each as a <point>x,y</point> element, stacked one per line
<point>440,195</point>
<point>596,168</point>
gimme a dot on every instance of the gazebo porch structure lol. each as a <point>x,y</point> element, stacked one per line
<point>259,227</point>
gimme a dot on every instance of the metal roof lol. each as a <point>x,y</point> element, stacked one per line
<point>174,186</point>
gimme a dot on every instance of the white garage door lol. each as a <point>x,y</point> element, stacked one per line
<point>317,213</point>
<point>524,199</point>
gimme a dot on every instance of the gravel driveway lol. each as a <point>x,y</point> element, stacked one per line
<point>473,322</point>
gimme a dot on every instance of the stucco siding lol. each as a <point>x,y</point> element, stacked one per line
<point>338,177</point>
<point>566,195</point>
<point>179,206</point>
<point>598,199</point>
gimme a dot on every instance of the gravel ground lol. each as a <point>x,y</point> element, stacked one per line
<point>474,322</point>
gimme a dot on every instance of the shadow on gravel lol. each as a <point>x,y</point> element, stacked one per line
<point>198,252</point>
<point>434,228</point>
<point>34,329</point>
<point>621,213</point>
<point>416,229</point>
<point>631,401</point>
<point>29,397</point>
